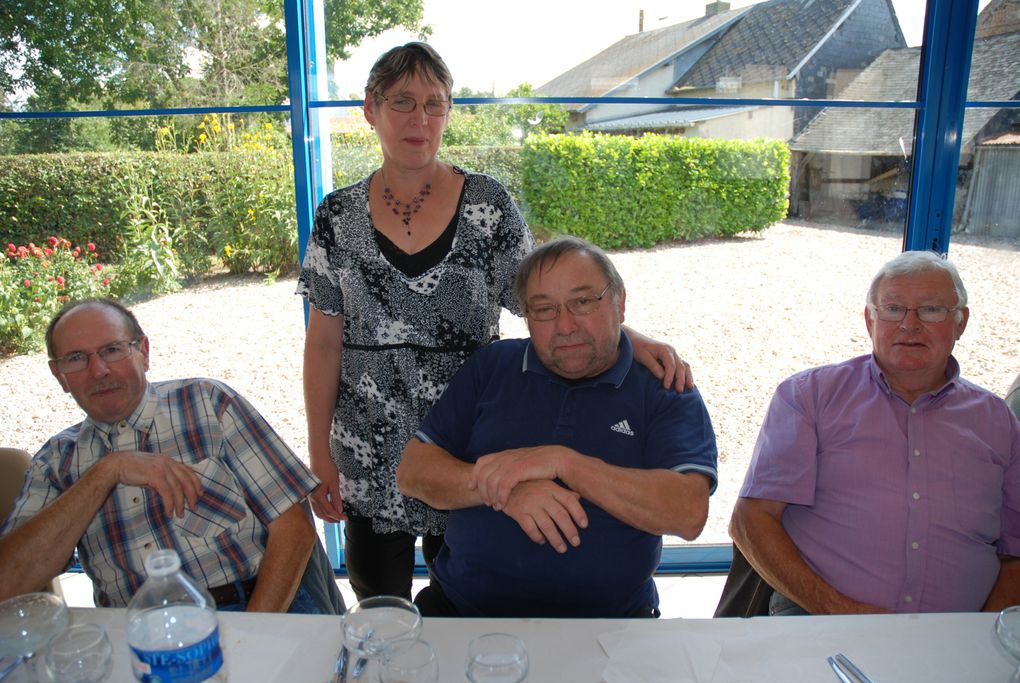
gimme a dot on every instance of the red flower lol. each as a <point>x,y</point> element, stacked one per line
<point>53,241</point>
<point>11,247</point>
<point>37,299</point>
<point>28,283</point>
<point>49,252</point>
<point>99,267</point>
<point>91,246</point>
<point>106,281</point>
<point>60,280</point>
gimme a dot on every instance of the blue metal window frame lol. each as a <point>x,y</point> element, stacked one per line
<point>941,106</point>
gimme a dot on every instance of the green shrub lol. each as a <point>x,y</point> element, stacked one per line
<point>35,281</point>
<point>625,192</point>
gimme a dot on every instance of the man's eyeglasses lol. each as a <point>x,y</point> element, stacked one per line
<point>894,313</point>
<point>405,105</point>
<point>76,361</point>
<point>580,305</point>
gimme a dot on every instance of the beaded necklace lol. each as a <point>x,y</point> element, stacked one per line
<point>405,209</point>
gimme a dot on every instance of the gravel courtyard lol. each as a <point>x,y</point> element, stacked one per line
<point>746,312</point>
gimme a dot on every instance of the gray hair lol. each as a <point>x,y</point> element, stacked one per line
<point>911,263</point>
<point>404,61</point>
<point>546,256</point>
<point>129,318</point>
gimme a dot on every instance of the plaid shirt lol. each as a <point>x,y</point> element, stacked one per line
<point>249,477</point>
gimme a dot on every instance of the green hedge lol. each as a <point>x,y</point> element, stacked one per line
<point>209,201</point>
<point>625,192</point>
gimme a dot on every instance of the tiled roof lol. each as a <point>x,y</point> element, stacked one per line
<point>893,76</point>
<point>772,38</point>
<point>665,119</point>
<point>626,59</point>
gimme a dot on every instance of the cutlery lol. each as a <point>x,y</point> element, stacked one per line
<point>838,671</point>
<point>340,668</point>
<point>847,664</point>
<point>7,667</point>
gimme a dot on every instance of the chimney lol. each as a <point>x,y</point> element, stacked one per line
<point>714,8</point>
<point>641,21</point>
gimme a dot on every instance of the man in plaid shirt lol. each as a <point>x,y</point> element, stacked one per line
<point>187,464</point>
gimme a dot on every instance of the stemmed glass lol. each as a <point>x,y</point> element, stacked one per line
<point>1007,628</point>
<point>496,658</point>
<point>376,629</point>
<point>81,654</point>
<point>27,623</point>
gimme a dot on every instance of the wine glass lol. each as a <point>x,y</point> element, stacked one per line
<point>376,629</point>
<point>81,654</point>
<point>497,658</point>
<point>415,663</point>
<point>1007,628</point>
<point>27,623</point>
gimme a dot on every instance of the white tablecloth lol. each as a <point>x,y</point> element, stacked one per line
<point>956,648</point>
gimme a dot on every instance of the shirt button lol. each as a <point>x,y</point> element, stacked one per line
<point>915,545</point>
<point>917,452</point>
<point>916,496</point>
<point>148,545</point>
<point>908,599</point>
<point>913,411</point>
<point>136,500</point>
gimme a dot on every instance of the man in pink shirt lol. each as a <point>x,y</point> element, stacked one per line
<point>888,483</point>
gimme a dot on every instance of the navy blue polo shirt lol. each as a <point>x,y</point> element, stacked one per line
<point>503,397</point>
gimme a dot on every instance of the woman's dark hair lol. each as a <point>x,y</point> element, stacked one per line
<point>405,61</point>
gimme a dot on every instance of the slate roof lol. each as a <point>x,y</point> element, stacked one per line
<point>893,76</point>
<point>626,59</point>
<point>665,119</point>
<point>778,33</point>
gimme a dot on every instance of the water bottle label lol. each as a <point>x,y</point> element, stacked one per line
<point>190,664</point>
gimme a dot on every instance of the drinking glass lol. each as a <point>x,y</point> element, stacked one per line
<point>27,623</point>
<point>497,658</point>
<point>81,654</point>
<point>376,629</point>
<point>1007,628</point>
<point>415,663</point>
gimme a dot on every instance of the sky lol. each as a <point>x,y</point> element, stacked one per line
<point>493,46</point>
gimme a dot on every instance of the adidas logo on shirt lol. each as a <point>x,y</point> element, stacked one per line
<point>623,427</point>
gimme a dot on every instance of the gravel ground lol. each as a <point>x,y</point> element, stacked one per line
<point>746,312</point>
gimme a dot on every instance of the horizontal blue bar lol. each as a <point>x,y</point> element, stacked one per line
<point>102,113</point>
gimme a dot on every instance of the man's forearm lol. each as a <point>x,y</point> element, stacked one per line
<point>1006,590</point>
<point>757,530</point>
<point>290,543</point>
<point>38,550</point>
<point>435,477</point>
<point>656,501</point>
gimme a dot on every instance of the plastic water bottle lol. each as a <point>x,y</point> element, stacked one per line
<point>172,629</point>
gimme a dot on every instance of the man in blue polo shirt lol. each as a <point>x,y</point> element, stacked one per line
<point>561,460</point>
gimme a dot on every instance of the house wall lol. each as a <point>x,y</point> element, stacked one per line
<point>764,122</point>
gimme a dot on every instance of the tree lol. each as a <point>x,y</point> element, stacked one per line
<point>488,124</point>
<point>143,51</point>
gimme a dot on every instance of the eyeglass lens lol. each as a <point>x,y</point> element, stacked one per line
<point>79,360</point>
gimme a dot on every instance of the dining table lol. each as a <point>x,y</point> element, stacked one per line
<point>956,648</point>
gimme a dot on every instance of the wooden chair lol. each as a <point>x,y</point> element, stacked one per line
<point>14,463</point>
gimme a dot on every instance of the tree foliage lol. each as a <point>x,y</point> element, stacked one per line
<point>489,124</point>
<point>144,53</point>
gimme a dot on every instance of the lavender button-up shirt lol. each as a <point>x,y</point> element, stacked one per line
<point>906,506</point>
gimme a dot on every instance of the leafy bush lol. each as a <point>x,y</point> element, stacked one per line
<point>35,281</point>
<point>624,192</point>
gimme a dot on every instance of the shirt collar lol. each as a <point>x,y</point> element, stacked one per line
<point>140,418</point>
<point>952,377</point>
<point>613,376</point>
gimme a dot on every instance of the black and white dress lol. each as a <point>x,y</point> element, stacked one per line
<point>405,335</point>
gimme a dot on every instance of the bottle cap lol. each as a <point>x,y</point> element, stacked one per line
<point>162,563</point>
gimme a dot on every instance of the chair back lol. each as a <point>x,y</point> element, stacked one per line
<point>14,463</point>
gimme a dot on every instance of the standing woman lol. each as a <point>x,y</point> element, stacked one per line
<point>406,272</point>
